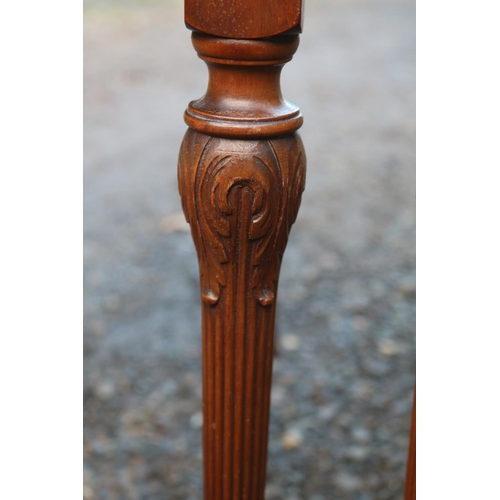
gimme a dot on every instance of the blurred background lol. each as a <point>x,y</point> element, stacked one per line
<point>344,371</point>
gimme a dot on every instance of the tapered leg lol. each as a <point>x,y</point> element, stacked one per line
<point>240,182</point>
<point>241,197</point>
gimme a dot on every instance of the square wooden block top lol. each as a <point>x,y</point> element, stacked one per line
<point>244,18</point>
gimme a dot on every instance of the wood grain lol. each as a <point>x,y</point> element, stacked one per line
<point>241,174</point>
<point>244,18</point>
<point>243,98</point>
<point>246,197</point>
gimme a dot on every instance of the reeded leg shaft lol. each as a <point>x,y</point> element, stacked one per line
<point>241,176</point>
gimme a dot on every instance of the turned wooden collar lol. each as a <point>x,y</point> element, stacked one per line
<point>243,98</point>
<point>241,175</point>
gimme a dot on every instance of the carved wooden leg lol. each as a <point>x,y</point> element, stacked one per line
<point>241,175</point>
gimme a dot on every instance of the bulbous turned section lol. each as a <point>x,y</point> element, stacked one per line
<point>241,176</point>
<point>243,99</point>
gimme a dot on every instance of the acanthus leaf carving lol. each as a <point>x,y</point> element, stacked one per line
<point>273,173</point>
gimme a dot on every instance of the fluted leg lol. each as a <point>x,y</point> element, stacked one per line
<point>241,176</point>
<point>241,197</point>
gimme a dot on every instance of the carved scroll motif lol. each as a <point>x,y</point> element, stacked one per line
<point>270,177</point>
<point>240,187</point>
<point>241,198</point>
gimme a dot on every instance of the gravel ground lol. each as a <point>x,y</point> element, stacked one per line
<point>344,371</point>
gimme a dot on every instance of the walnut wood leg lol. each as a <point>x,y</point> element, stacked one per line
<point>241,176</point>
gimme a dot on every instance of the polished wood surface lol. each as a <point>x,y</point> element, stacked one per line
<point>244,18</point>
<point>241,175</point>
<point>243,97</point>
<point>411,466</point>
<point>246,196</point>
